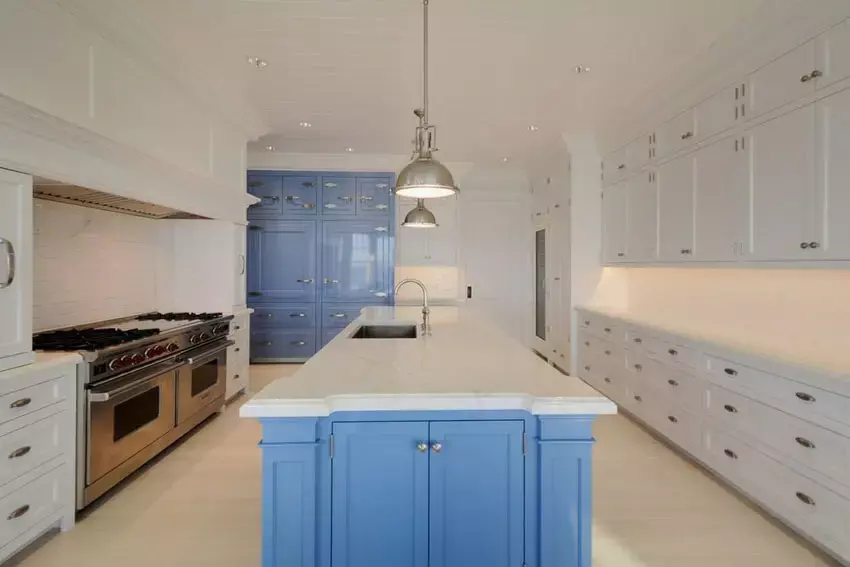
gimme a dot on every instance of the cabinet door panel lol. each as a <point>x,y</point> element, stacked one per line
<point>781,81</point>
<point>355,260</point>
<point>373,195</point>
<point>784,185</point>
<point>717,113</point>
<point>642,218</point>
<point>639,152</point>
<point>239,289</point>
<point>269,345</point>
<point>614,167</point>
<point>16,264</point>
<point>379,514</point>
<point>300,195</point>
<point>834,55</point>
<point>833,174</point>
<point>722,202</point>
<point>477,494</point>
<point>269,189</point>
<point>614,220</point>
<point>339,195</point>
<point>676,209</point>
<point>282,261</point>
<point>676,134</point>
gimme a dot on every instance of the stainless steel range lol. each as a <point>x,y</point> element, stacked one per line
<point>146,381</point>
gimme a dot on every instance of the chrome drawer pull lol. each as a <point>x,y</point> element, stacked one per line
<point>289,198</point>
<point>381,294</point>
<point>808,398</point>
<point>638,340</point>
<point>329,281</point>
<point>17,513</point>
<point>307,184</point>
<point>731,372</point>
<point>621,166</point>
<point>638,399</point>
<point>330,206</point>
<point>673,419</point>
<point>730,454</point>
<point>330,185</point>
<point>673,352</point>
<point>381,229</point>
<point>10,263</point>
<point>673,383</point>
<point>381,207</point>
<point>18,453</point>
<point>345,198</point>
<point>305,280</point>
<point>806,499</point>
<point>308,205</point>
<point>730,408</point>
<point>338,315</point>
<point>366,198</point>
<point>382,186</point>
<point>298,343</point>
<point>254,294</point>
<point>805,442</point>
<point>608,380</point>
<point>22,403</point>
<point>296,315</point>
<point>638,367</point>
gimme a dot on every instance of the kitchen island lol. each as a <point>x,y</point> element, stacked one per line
<point>458,449</point>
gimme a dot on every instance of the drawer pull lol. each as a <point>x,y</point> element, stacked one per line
<point>731,372</point>
<point>731,454</point>
<point>806,499</point>
<point>621,166</point>
<point>266,343</point>
<point>18,453</point>
<point>330,185</point>
<point>587,368</point>
<point>808,398</point>
<point>18,512</point>
<point>673,383</point>
<point>607,380</point>
<point>673,352</point>
<point>294,315</point>
<point>607,330</point>
<point>238,327</point>
<point>638,340</point>
<point>338,315</point>
<point>607,353</point>
<point>586,343</point>
<point>298,343</point>
<point>638,367</point>
<point>22,403</point>
<point>730,408</point>
<point>673,419</point>
<point>805,442</point>
<point>307,184</point>
<point>238,349</point>
<point>236,377</point>
<point>638,399</point>
<point>254,294</point>
<point>266,315</point>
<point>587,323</point>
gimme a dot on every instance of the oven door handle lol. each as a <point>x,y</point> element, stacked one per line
<point>98,397</point>
<point>207,355</point>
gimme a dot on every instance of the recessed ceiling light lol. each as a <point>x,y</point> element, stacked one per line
<point>349,150</point>
<point>269,148</point>
<point>579,69</point>
<point>533,128</point>
<point>257,62</point>
<point>505,160</point>
<point>305,124</point>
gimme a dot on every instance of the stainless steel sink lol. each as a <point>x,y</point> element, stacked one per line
<point>385,332</point>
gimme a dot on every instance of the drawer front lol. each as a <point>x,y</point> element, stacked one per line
<point>644,370</point>
<point>600,326</point>
<point>796,398</point>
<point>297,316</point>
<point>731,409</point>
<point>683,388</point>
<point>24,449</point>
<point>340,315</point>
<point>282,344</point>
<point>639,339</point>
<point>673,353</point>
<point>237,372</point>
<point>27,400</point>
<point>32,503</point>
<point>680,426</point>
<point>239,323</point>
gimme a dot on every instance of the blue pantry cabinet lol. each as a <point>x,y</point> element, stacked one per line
<point>317,242</point>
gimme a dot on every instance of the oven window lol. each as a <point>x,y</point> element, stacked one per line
<point>135,413</point>
<point>204,377</point>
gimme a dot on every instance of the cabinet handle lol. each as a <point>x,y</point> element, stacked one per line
<point>381,207</point>
<point>330,185</point>
<point>808,398</point>
<point>305,280</point>
<point>381,294</point>
<point>587,368</point>
<point>274,198</point>
<point>238,327</point>
<point>298,343</point>
<point>265,315</point>
<point>346,199</point>
<point>621,166</point>
<point>815,74</point>
<point>437,447</point>
<point>804,245</point>
<point>367,198</point>
<point>607,330</point>
<point>686,251</point>
<point>236,377</point>
<point>731,454</point>
<point>382,186</point>
<point>687,135</point>
<point>422,447</point>
<point>307,184</point>
<point>290,198</point>
<point>805,442</point>
<point>638,399</point>
<point>10,263</point>
<point>731,371</point>
<point>607,380</point>
<point>18,453</point>
<point>672,419</point>
<point>338,315</point>
<point>620,254</point>
<point>308,205</point>
<point>673,383</point>
<point>673,352</point>
<point>805,78</point>
<point>638,340</point>
<point>814,245</point>
<point>587,323</point>
<point>253,184</point>
<point>329,281</point>
<point>266,343</point>
<point>254,294</point>
<point>806,499</point>
<point>18,512</point>
<point>330,206</point>
<point>243,263</point>
<point>253,227</point>
<point>22,403</point>
<point>639,367</point>
<point>238,349</point>
<point>381,229</point>
<point>293,315</point>
<point>730,408</point>
<point>607,353</point>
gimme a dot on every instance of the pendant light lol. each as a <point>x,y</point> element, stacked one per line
<point>425,177</point>
<point>420,217</point>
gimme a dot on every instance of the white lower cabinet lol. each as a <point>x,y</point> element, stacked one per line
<point>781,437</point>
<point>238,363</point>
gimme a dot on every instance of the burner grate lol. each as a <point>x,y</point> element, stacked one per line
<point>88,339</point>
<point>185,316</point>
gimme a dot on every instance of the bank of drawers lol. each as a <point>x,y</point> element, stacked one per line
<point>238,363</point>
<point>782,440</point>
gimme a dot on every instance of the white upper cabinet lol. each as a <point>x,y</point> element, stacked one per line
<point>722,201</point>
<point>642,218</point>
<point>833,175</point>
<point>15,269</point>
<point>784,80</point>
<point>833,55</point>
<point>640,152</point>
<point>676,209</point>
<point>676,134</point>
<point>614,167</point>
<point>614,222</point>
<point>719,112</point>
<point>784,196</point>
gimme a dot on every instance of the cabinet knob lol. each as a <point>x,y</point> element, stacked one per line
<point>673,352</point>
<point>607,330</point>
<point>804,442</point>
<point>620,254</point>
<point>729,453</point>
<point>607,380</point>
<point>731,371</point>
<point>422,447</point>
<point>638,399</point>
<point>621,166</point>
<point>687,135</point>
<point>815,74</point>
<point>638,340</point>
<point>673,383</point>
<point>805,78</point>
<point>804,245</point>
<point>814,245</point>
<point>672,419</point>
<point>437,447</point>
<point>607,353</point>
<point>587,368</point>
<point>586,343</point>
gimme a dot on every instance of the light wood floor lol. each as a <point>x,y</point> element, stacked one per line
<point>199,505</point>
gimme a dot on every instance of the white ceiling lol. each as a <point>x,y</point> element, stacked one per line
<point>352,68</point>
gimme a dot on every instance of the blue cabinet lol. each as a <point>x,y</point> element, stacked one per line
<point>281,261</point>
<point>356,260</point>
<point>339,195</point>
<point>373,195</point>
<point>281,345</point>
<point>300,195</point>
<point>295,316</point>
<point>269,189</point>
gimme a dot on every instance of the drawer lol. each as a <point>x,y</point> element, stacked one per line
<point>297,316</point>
<point>666,351</point>
<point>679,425</point>
<point>33,398</point>
<point>340,315</point>
<point>239,323</point>
<point>731,409</point>
<point>682,387</point>
<point>32,503</point>
<point>642,368</point>
<point>25,448</point>
<point>639,339</point>
<point>282,344</point>
<point>793,397</point>
<point>600,326</point>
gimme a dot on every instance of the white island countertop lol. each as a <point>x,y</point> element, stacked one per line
<point>466,364</point>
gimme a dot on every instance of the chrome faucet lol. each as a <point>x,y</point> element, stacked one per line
<point>426,311</point>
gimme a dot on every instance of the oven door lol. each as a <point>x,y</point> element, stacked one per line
<point>202,380</point>
<point>128,413</point>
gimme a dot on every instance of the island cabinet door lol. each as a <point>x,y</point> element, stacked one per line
<point>477,494</point>
<point>379,515</point>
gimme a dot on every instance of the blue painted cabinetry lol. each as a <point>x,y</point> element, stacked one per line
<point>428,489</point>
<point>315,239</point>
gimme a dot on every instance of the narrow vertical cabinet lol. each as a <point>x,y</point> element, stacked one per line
<point>642,217</point>
<point>16,265</point>
<point>833,176</point>
<point>615,222</point>
<point>676,209</point>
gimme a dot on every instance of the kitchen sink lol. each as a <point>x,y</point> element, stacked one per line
<point>385,332</point>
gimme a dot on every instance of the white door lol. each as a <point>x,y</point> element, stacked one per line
<point>833,175</point>
<point>239,295</point>
<point>717,113</point>
<point>614,222</point>
<point>722,200</point>
<point>784,186</point>
<point>676,209</point>
<point>833,52</point>
<point>16,232</point>
<point>784,80</point>
<point>642,215</point>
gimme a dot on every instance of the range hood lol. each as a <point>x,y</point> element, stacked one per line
<point>82,197</point>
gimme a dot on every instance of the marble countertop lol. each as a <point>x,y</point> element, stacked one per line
<point>466,364</point>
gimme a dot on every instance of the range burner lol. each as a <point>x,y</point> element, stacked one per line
<point>186,316</point>
<point>88,339</point>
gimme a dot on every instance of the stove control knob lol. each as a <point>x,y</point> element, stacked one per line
<point>172,347</point>
<point>114,364</point>
<point>159,350</point>
<point>137,358</point>
<point>124,361</point>
<point>204,336</point>
<point>195,339</point>
<point>151,352</point>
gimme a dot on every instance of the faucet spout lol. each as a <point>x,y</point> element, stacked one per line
<point>426,311</point>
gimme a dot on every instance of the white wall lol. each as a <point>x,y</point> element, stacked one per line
<point>91,265</point>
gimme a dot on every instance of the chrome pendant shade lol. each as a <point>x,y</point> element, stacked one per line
<point>420,217</point>
<point>425,177</point>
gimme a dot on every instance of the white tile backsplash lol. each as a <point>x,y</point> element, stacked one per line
<point>92,265</point>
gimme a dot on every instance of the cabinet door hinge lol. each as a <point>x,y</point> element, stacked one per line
<point>331,446</point>
<point>524,444</point>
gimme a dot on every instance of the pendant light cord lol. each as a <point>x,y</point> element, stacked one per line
<point>425,61</point>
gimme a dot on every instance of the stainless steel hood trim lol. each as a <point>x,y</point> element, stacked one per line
<point>83,197</point>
